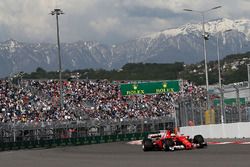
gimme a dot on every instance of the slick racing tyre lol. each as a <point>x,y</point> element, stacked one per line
<point>147,145</point>
<point>199,140</point>
<point>168,145</point>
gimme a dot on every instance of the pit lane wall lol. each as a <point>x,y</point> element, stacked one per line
<point>216,131</point>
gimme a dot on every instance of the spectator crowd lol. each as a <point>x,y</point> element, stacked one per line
<point>39,100</point>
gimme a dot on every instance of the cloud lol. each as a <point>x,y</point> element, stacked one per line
<point>104,20</point>
<point>103,26</point>
<point>150,12</point>
<point>24,19</point>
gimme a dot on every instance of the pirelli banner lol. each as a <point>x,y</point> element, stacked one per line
<point>150,87</point>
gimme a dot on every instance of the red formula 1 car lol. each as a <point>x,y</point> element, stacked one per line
<point>167,141</point>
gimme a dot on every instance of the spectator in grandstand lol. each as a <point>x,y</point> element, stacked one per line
<point>38,101</point>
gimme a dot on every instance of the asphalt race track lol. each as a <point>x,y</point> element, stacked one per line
<point>125,155</point>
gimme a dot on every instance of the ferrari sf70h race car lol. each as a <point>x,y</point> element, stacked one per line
<point>167,141</point>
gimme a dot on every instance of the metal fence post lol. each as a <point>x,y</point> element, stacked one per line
<point>142,125</point>
<point>201,113</point>
<point>175,116</point>
<point>180,113</point>
<point>238,105</point>
<point>186,114</point>
<point>222,110</point>
<point>238,102</point>
<point>248,76</point>
<point>14,132</point>
<point>192,110</point>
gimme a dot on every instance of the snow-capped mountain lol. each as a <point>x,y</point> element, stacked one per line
<point>184,43</point>
<point>17,56</point>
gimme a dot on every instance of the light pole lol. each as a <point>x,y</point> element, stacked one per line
<point>248,76</point>
<point>219,74</point>
<point>58,12</point>
<point>218,55</point>
<point>205,37</point>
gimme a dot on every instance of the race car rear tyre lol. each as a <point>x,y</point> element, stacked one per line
<point>198,139</point>
<point>168,145</point>
<point>147,145</point>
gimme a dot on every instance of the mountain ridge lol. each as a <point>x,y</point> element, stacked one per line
<point>183,44</point>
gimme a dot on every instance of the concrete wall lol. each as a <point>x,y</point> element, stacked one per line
<point>233,130</point>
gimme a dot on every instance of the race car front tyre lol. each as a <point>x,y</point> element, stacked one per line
<point>147,145</point>
<point>168,145</point>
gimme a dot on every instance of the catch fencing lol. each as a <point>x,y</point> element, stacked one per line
<point>228,105</point>
<point>50,134</point>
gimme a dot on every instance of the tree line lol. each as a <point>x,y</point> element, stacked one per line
<point>233,69</point>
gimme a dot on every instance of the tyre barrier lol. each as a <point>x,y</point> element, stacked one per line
<point>51,143</point>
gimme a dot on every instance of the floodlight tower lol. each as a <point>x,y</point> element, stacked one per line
<point>58,12</point>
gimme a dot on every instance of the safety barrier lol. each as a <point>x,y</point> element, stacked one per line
<point>231,130</point>
<point>70,141</point>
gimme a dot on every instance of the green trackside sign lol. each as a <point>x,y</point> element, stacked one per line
<point>150,87</point>
<point>230,101</point>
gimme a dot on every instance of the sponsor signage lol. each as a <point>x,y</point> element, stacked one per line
<point>150,87</point>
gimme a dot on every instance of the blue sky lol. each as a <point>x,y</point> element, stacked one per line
<point>107,21</point>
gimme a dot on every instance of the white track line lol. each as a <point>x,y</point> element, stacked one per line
<point>138,142</point>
